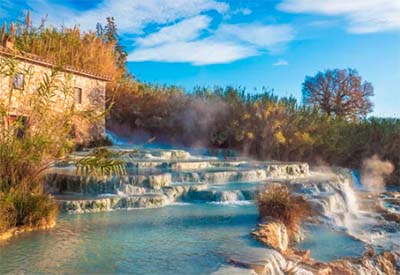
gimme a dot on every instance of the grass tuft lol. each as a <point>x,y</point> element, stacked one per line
<point>276,202</point>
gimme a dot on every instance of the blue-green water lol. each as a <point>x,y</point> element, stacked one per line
<point>182,239</point>
<point>326,244</point>
<point>179,239</point>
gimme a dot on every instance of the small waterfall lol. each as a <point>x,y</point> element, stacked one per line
<point>230,196</point>
<point>338,201</point>
<point>352,216</point>
<point>235,176</point>
<point>127,190</point>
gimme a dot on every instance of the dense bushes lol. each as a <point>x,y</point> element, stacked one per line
<point>278,203</point>
<point>21,209</point>
<point>262,125</point>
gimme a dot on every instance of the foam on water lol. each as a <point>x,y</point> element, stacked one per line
<point>234,202</point>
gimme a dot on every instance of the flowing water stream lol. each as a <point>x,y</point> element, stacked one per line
<point>201,212</point>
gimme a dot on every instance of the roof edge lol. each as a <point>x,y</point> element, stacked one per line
<point>35,59</point>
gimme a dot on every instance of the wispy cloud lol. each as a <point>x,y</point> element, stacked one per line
<point>131,16</point>
<point>182,42</point>
<point>244,11</point>
<point>227,43</point>
<point>185,30</point>
<point>363,16</point>
<point>280,62</point>
<point>263,36</point>
<point>201,52</point>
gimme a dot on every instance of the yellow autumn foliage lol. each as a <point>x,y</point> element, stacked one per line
<point>280,138</point>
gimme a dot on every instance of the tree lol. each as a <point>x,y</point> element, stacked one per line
<point>339,93</point>
<point>111,36</point>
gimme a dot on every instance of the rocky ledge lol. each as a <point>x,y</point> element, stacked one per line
<point>159,177</point>
<point>110,203</point>
<point>288,260</point>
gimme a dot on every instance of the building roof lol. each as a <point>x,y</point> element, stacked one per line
<point>35,59</point>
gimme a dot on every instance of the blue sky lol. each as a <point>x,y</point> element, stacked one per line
<point>271,43</point>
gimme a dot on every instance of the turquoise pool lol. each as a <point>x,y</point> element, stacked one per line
<point>178,239</point>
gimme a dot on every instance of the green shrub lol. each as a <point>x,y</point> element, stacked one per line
<point>31,210</point>
<point>8,215</point>
<point>34,209</point>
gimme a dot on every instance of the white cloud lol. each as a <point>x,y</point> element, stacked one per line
<point>363,16</point>
<point>244,11</point>
<point>201,52</point>
<point>185,30</point>
<point>131,16</point>
<point>265,36</point>
<point>280,62</point>
<point>228,43</point>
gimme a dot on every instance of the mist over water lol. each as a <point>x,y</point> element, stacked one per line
<point>179,121</point>
<point>373,173</point>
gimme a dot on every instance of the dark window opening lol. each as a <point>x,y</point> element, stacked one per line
<point>78,95</point>
<point>20,123</point>
<point>18,81</point>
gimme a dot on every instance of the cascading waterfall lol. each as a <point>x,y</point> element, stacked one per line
<point>160,177</point>
<point>342,206</point>
<point>352,216</point>
<point>231,197</point>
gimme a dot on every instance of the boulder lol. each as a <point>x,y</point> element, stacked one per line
<point>264,261</point>
<point>273,234</point>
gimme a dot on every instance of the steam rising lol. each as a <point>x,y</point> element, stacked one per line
<point>177,121</point>
<point>374,171</point>
<point>198,119</point>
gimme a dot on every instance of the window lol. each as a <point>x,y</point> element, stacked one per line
<point>18,81</point>
<point>78,95</point>
<point>20,124</point>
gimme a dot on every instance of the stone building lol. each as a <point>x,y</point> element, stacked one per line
<point>89,89</point>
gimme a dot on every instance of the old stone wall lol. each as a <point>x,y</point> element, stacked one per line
<point>93,92</point>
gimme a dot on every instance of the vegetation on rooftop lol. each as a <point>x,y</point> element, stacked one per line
<point>92,51</point>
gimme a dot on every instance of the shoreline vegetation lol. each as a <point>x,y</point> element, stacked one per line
<point>322,130</point>
<point>37,124</point>
<point>15,231</point>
